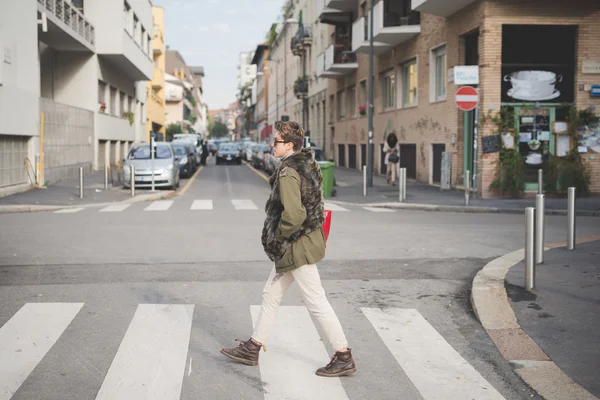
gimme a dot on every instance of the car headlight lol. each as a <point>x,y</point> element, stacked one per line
<point>219,154</point>
<point>169,167</point>
<point>184,160</point>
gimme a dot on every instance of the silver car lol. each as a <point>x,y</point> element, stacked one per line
<point>166,166</point>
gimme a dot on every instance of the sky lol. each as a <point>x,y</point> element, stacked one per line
<point>213,33</point>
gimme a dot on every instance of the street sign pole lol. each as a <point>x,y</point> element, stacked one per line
<point>467,99</point>
<point>152,146</point>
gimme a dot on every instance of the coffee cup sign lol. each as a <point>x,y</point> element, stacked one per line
<point>533,85</point>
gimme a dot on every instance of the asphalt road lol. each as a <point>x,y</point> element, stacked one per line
<point>135,302</point>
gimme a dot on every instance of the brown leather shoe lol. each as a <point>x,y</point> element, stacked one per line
<point>341,364</point>
<point>246,353</point>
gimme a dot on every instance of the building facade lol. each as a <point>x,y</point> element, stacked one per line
<point>529,62</point>
<point>69,87</point>
<point>155,89</point>
<point>260,59</point>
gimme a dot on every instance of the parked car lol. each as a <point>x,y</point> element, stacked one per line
<point>228,153</point>
<point>258,155</point>
<point>185,154</point>
<point>164,167</point>
<point>196,142</point>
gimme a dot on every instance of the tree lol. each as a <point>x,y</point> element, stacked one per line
<point>172,129</point>
<point>218,129</point>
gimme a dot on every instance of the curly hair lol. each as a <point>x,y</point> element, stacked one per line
<point>291,132</point>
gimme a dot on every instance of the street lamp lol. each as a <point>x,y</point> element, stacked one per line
<point>370,109</point>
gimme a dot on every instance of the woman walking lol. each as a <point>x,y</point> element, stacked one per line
<point>391,149</point>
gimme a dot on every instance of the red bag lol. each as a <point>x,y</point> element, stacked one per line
<point>327,224</point>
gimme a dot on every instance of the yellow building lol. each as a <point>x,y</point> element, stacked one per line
<point>156,88</point>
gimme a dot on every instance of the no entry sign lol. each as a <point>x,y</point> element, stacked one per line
<point>467,98</point>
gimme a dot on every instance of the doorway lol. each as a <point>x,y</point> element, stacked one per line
<point>436,162</point>
<point>408,159</point>
<point>341,155</point>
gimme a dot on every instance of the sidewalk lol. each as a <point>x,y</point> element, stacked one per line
<point>66,194</point>
<point>550,334</point>
<point>421,196</point>
<point>563,314</point>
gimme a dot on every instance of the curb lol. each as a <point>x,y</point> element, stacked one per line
<point>463,209</point>
<point>25,208</point>
<point>494,312</point>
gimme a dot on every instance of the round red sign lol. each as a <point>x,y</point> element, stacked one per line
<point>467,98</point>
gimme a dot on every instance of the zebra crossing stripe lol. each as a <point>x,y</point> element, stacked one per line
<point>244,205</point>
<point>115,208</point>
<point>295,352</point>
<point>434,367</point>
<point>334,207</point>
<point>202,205</point>
<point>378,209</point>
<point>159,205</point>
<point>27,337</point>
<point>68,210</point>
<point>151,359</point>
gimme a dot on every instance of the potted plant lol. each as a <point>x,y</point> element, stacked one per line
<point>534,144</point>
<point>129,115</point>
<point>362,110</point>
<point>103,106</point>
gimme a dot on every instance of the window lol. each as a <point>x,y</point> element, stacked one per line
<point>409,84</point>
<point>340,105</point>
<point>352,101</point>
<point>438,74</point>
<point>101,92</point>
<point>388,89</point>
<point>364,99</point>
<point>331,115</point>
<point>113,101</point>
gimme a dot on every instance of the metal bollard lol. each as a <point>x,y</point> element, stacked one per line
<point>404,183</point>
<point>81,182</point>
<point>467,187</point>
<point>571,219</point>
<point>540,181</point>
<point>364,168</point>
<point>106,177</point>
<point>401,185</point>
<point>132,179</point>
<point>529,248</point>
<point>539,228</point>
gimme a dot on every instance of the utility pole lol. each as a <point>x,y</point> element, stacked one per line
<point>370,110</point>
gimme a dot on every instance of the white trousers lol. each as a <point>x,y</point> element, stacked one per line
<point>309,282</point>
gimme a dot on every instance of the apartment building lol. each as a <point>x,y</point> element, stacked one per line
<point>193,107</point>
<point>260,59</point>
<point>69,93</point>
<point>155,89</point>
<point>531,58</point>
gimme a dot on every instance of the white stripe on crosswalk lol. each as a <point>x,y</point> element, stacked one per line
<point>202,205</point>
<point>434,367</point>
<point>159,205</point>
<point>378,209</point>
<point>27,337</point>
<point>151,360</point>
<point>295,351</point>
<point>68,210</point>
<point>334,207</point>
<point>244,205</point>
<point>115,208</point>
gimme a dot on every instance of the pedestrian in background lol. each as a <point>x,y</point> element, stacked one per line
<point>293,238</point>
<point>391,148</point>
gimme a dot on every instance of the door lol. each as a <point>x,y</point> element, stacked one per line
<point>341,155</point>
<point>436,152</point>
<point>534,140</point>
<point>382,167</point>
<point>363,155</point>
<point>408,159</point>
<point>352,156</point>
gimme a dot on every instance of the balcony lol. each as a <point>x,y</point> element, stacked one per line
<point>335,12</point>
<point>68,30</point>
<point>336,61</point>
<point>301,40</point>
<point>360,38</point>
<point>110,127</point>
<point>158,79</point>
<point>441,8</point>
<point>158,42</point>
<point>301,88</point>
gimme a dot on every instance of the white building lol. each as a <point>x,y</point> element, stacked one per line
<point>178,108</point>
<point>74,67</point>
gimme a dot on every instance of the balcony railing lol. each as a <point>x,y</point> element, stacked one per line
<point>301,40</point>
<point>71,17</point>
<point>339,54</point>
<point>392,19</point>
<point>301,88</point>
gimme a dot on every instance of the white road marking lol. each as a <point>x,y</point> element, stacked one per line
<point>150,363</point>
<point>434,367</point>
<point>334,207</point>
<point>295,352</point>
<point>202,205</point>
<point>244,205</point>
<point>115,208</point>
<point>159,205</point>
<point>378,209</point>
<point>68,210</point>
<point>27,337</point>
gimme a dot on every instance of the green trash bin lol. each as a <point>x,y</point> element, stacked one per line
<point>327,169</point>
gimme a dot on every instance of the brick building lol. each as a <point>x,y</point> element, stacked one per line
<point>533,57</point>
